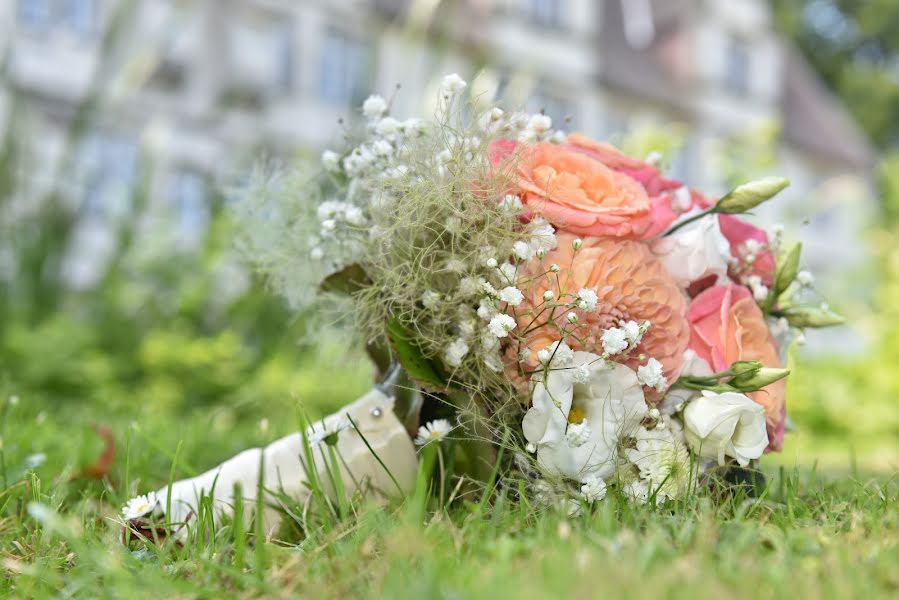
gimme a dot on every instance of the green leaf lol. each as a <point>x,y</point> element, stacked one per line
<point>786,271</point>
<point>408,352</point>
<point>348,280</point>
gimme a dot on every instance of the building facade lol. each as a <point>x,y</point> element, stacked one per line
<point>205,87</point>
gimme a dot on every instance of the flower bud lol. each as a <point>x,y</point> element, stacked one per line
<point>812,316</point>
<point>572,317</point>
<point>554,268</point>
<point>756,380</point>
<point>744,367</point>
<point>788,269</point>
<point>745,197</point>
<point>577,243</point>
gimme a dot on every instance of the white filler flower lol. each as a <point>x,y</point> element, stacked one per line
<point>593,488</point>
<point>511,295</point>
<point>374,106</point>
<point>140,506</point>
<point>651,375</point>
<point>663,461</point>
<point>434,431</point>
<point>455,352</point>
<point>728,424</point>
<point>501,325</point>
<point>452,84</point>
<point>587,299</point>
<point>614,340</point>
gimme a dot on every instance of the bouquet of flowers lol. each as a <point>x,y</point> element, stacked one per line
<point>626,329</point>
<point>545,293</point>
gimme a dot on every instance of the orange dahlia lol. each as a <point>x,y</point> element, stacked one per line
<point>630,284</point>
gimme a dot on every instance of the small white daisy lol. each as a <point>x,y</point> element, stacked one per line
<point>139,506</point>
<point>434,431</point>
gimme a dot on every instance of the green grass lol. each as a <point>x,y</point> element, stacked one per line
<point>814,534</point>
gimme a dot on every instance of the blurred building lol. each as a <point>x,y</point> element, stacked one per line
<point>204,86</point>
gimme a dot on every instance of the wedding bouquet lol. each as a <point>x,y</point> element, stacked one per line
<point>626,329</point>
<point>545,293</point>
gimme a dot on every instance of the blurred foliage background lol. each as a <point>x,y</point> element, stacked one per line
<point>175,335</point>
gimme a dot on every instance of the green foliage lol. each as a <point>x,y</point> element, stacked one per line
<point>806,537</point>
<point>854,45</point>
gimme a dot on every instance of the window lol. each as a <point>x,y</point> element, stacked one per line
<point>107,170</point>
<point>544,12</point>
<point>554,106</point>
<point>286,60</point>
<point>78,15</point>
<point>344,68</point>
<point>35,14</point>
<point>190,209</point>
<point>736,76</point>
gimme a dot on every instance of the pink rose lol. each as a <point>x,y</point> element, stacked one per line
<point>726,326</point>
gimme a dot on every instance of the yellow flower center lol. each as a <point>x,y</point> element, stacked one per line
<point>576,415</point>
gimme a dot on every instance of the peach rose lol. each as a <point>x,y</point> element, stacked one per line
<point>727,326</point>
<point>630,283</point>
<point>589,188</point>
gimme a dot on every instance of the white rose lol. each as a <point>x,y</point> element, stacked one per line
<point>611,400</point>
<point>729,424</point>
<point>694,252</point>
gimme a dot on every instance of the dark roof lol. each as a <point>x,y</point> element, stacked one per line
<point>640,71</point>
<point>813,118</point>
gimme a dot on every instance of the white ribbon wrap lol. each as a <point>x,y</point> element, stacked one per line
<point>284,471</point>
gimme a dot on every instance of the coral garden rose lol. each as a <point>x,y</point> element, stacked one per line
<point>589,188</point>
<point>727,326</point>
<point>630,284</point>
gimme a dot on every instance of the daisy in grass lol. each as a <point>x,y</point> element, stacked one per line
<point>433,431</point>
<point>139,506</point>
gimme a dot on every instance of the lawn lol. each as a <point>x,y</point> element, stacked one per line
<point>814,533</point>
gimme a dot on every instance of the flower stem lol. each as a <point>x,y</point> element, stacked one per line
<point>705,213</point>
